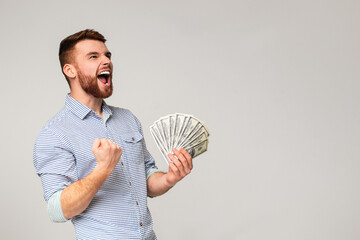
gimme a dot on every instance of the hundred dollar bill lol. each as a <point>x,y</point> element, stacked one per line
<point>164,122</point>
<point>198,149</point>
<point>172,126</point>
<point>189,135</point>
<point>200,138</point>
<point>180,131</point>
<point>175,122</point>
<point>159,144</point>
<point>159,138</point>
<point>198,130</point>
<point>183,119</point>
<point>190,125</point>
<point>176,128</point>
<point>161,134</point>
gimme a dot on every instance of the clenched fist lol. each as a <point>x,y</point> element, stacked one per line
<point>107,153</point>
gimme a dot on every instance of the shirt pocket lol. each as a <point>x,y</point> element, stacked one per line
<point>133,146</point>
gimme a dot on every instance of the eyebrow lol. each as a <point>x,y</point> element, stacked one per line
<point>92,53</point>
<point>96,53</point>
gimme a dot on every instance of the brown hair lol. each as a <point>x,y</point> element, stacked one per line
<point>68,44</point>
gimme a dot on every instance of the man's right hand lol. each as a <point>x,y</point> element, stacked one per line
<point>107,153</point>
<point>76,197</point>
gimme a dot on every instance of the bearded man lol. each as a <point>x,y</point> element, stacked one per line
<point>92,158</point>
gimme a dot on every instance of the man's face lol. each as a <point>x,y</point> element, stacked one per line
<point>94,68</point>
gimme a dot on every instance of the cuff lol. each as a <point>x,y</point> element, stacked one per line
<point>54,208</point>
<point>150,171</point>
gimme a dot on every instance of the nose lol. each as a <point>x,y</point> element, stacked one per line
<point>106,61</point>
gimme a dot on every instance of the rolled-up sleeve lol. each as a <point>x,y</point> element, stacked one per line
<point>54,208</point>
<point>54,163</point>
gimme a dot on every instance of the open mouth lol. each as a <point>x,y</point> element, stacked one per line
<point>104,77</point>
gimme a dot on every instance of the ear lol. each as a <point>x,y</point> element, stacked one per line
<point>70,71</point>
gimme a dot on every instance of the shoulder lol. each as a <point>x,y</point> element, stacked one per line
<point>120,111</point>
<point>124,113</point>
<point>125,116</point>
<point>55,126</point>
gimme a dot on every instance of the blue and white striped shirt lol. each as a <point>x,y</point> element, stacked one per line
<point>62,155</point>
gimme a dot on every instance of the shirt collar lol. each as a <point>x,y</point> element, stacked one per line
<point>81,110</point>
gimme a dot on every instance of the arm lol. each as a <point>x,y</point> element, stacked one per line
<point>76,197</point>
<point>179,166</point>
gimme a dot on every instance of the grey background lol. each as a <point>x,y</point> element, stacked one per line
<point>276,83</point>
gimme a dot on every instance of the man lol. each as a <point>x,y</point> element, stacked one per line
<point>91,157</point>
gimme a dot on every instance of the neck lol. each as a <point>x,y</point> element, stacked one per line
<point>88,100</point>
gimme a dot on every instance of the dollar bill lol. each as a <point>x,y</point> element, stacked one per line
<point>160,131</point>
<point>180,130</point>
<point>172,122</point>
<point>190,125</point>
<point>165,122</point>
<point>198,149</point>
<point>157,137</point>
<point>183,119</point>
<point>200,138</point>
<point>198,130</point>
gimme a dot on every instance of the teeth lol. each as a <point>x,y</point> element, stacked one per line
<point>105,73</point>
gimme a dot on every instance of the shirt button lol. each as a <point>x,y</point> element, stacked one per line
<point>137,203</point>
<point>130,183</point>
<point>133,139</point>
<point>122,163</point>
<point>141,224</point>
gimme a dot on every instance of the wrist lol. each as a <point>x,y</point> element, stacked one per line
<point>102,170</point>
<point>167,182</point>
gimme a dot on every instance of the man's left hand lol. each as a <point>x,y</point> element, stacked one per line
<point>179,166</point>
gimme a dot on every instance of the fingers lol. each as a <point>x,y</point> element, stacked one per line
<point>176,166</point>
<point>109,143</point>
<point>183,160</point>
<point>104,143</point>
<point>96,144</point>
<point>181,163</point>
<point>105,148</point>
<point>112,145</point>
<point>188,157</point>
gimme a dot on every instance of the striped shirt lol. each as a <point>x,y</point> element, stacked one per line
<point>62,155</point>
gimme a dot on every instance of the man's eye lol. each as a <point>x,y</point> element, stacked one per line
<point>93,56</point>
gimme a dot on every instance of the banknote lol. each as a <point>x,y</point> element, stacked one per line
<point>164,122</point>
<point>198,149</point>
<point>199,130</point>
<point>200,138</point>
<point>191,124</point>
<point>183,119</point>
<point>159,144</point>
<point>180,130</point>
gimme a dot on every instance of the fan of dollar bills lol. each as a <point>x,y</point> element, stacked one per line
<point>180,131</point>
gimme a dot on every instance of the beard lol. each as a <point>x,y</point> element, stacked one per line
<point>90,85</point>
